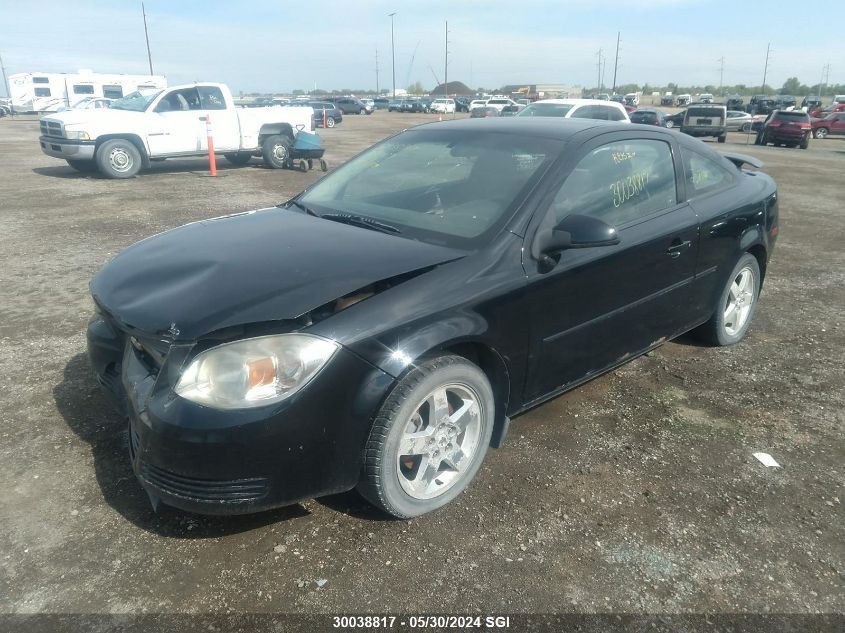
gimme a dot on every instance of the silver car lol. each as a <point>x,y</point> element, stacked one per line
<point>738,121</point>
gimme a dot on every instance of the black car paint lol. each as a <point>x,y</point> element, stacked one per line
<point>536,331</point>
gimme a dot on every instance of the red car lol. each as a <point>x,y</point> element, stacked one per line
<point>786,127</point>
<point>833,123</point>
<point>820,113</point>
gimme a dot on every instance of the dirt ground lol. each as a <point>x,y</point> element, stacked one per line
<point>637,493</point>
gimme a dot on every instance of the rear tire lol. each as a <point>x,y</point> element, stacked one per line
<point>238,158</point>
<point>118,158</point>
<point>421,454</point>
<point>330,122</point>
<point>736,305</point>
<point>276,151</point>
<point>83,165</point>
<point>746,127</point>
<point>820,132</point>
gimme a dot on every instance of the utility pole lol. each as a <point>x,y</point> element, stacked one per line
<point>147,37</point>
<point>721,61</point>
<point>598,81</point>
<point>824,80</point>
<point>766,67</point>
<point>393,53</point>
<point>446,65</point>
<point>616,63</point>
<point>377,92</point>
<point>5,81</point>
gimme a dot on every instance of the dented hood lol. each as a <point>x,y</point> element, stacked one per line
<point>252,267</point>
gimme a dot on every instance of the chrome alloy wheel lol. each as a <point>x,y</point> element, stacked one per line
<point>439,441</point>
<point>740,301</point>
<point>120,160</point>
<point>280,152</point>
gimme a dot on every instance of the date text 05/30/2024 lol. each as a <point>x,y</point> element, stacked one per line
<point>421,621</point>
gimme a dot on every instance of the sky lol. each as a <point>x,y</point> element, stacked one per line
<point>281,45</point>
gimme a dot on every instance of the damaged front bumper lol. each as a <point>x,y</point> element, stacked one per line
<point>231,462</point>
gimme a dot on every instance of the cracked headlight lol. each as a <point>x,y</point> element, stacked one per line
<point>77,135</point>
<point>254,372</point>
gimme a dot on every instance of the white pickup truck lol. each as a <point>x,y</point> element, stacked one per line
<point>155,125</point>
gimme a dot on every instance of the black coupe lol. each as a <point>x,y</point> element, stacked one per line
<point>380,329</point>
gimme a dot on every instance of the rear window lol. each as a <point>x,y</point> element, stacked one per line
<point>643,117</point>
<point>546,109</point>
<point>796,115</point>
<point>704,112</point>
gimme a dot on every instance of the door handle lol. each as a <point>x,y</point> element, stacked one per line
<point>676,249</point>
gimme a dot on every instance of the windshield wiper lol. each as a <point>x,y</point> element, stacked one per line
<point>359,220</point>
<point>305,208</point>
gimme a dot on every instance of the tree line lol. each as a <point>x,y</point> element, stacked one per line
<point>791,86</point>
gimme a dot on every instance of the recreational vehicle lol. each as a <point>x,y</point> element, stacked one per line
<point>47,92</point>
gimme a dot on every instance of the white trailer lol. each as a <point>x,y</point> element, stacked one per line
<point>47,92</point>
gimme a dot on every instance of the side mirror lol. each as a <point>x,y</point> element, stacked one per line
<point>579,231</point>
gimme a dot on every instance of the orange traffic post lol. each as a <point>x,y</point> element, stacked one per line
<point>324,118</point>
<point>212,162</point>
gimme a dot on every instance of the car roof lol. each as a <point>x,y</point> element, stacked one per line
<point>574,102</point>
<point>557,128</point>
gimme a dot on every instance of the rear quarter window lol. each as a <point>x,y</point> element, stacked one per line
<point>705,175</point>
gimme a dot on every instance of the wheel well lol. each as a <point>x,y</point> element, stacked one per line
<point>759,252</point>
<point>134,139</point>
<point>268,129</point>
<point>494,367</point>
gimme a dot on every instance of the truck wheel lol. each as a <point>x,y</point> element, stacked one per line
<point>118,159</point>
<point>276,151</point>
<point>330,122</point>
<point>83,165</point>
<point>429,439</point>
<point>238,158</point>
<point>323,165</point>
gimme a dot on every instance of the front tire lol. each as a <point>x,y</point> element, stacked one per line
<point>805,142</point>
<point>330,122</point>
<point>736,305</point>
<point>429,438</point>
<point>820,132</point>
<point>722,138</point>
<point>276,151</point>
<point>118,158</point>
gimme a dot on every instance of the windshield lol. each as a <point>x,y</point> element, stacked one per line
<point>135,101</point>
<point>546,109</point>
<point>453,188</point>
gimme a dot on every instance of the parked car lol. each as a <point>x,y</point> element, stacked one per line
<point>667,99</point>
<point>381,103</point>
<point>791,128</point>
<point>482,112</point>
<point>617,98</point>
<point>734,102</point>
<point>648,116</point>
<point>683,100</point>
<point>154,125</point>
<point>411,104</point>
<point>706,119</point>
<point>442,106</point>
<point>783,102</point>
<point>820,113</point>
<point>674,120</point>
<point>477,103</point>
<point>601,97</point>
<point>88,103</point>
<point>632,99</point>
<point>500,103</point>
<point>576,109</point>
<point>512,110</point>
<point>404,335</point>
<point>394,105</point>
<point>350,105</point>
<point>369,103</point>
<point>326,110</point>
<point>705,97</point>
<point>461,104</point>
<point>761,104</point>
<point>832,124</point>
<point>811,102</point>
<point>739,121</point>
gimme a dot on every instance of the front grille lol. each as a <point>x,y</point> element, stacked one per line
<point>212,490</point>
<point>51,128</point>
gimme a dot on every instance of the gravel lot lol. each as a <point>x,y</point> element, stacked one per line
<point>637,493</point>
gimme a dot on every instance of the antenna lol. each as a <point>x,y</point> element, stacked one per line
<point>147,37</point>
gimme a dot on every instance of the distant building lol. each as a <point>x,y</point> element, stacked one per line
<point>455,89</point>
